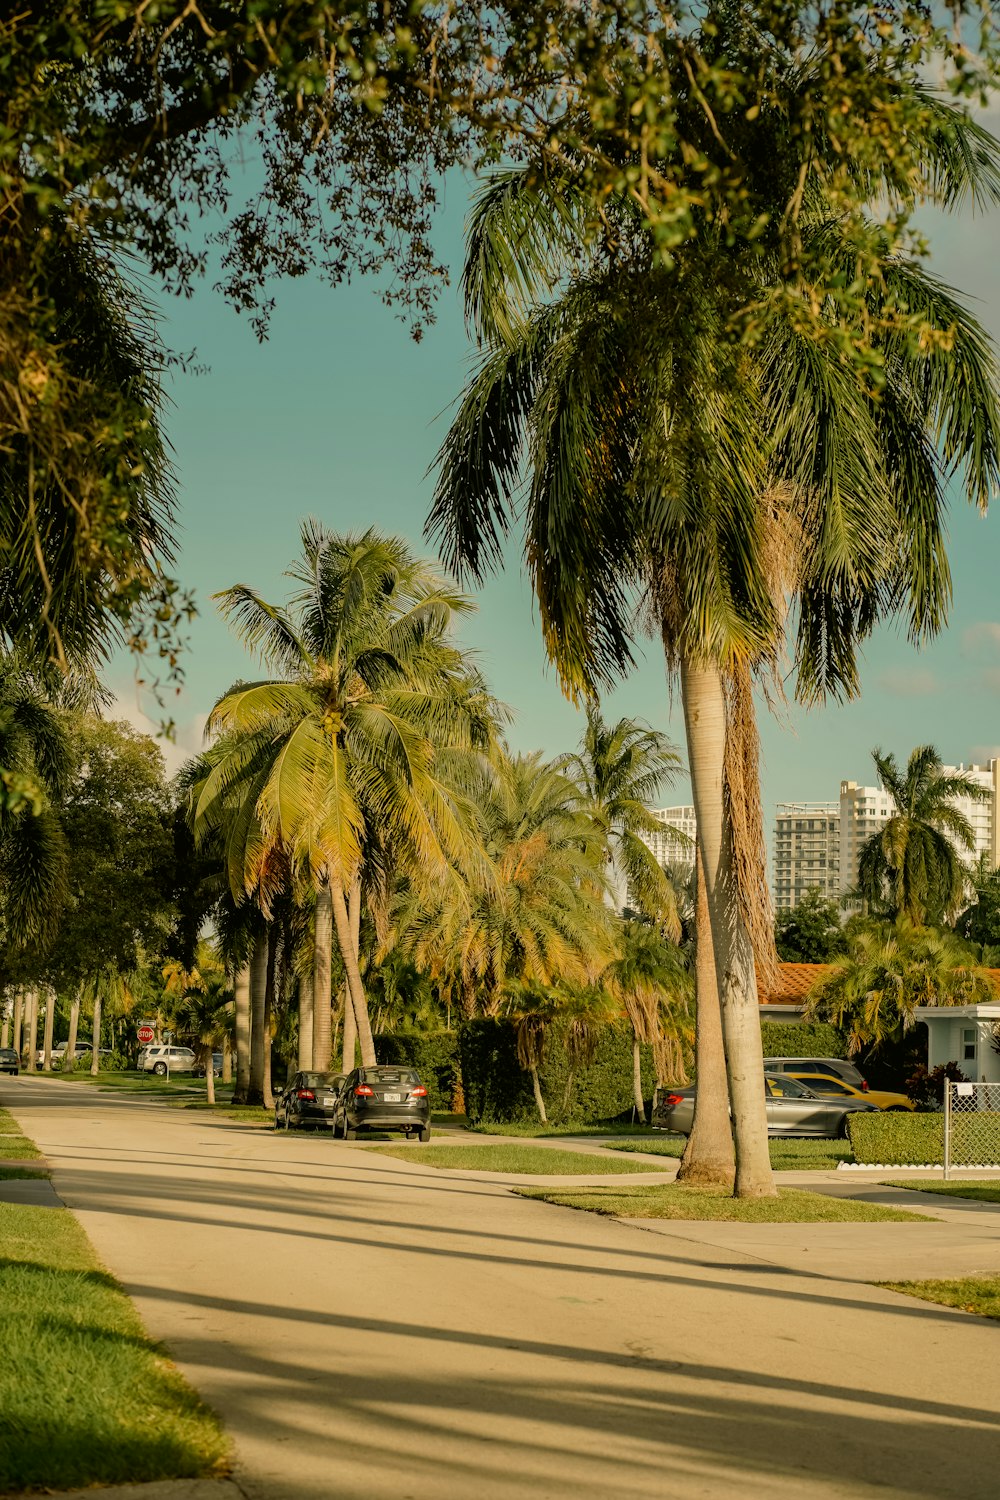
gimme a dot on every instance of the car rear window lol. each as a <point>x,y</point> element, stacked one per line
<point>389,1075</point>
<point>312,1079</point>
<point>7,1052</point>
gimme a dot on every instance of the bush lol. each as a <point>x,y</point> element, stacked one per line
<point>111,1062</point>
<point>801,1039</point>
<point>497,1088</point>
<point>910,1140</point>
<point>434,1055</point>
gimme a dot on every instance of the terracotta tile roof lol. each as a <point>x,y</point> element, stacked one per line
<point>796,980</point>
<point>794,983</point>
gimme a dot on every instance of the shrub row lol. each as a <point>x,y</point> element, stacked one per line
<point>497,1088</point>
<point>910,1140</point>
<point>801,1039</point>
<point>434,1054</point>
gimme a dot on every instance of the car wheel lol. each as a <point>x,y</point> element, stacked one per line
<point>843,1131</point>
<point>160,1069</point>
<point>425,1133</point>
<point>896,1109</point>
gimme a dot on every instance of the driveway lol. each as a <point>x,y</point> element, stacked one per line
<point>371,1329</point>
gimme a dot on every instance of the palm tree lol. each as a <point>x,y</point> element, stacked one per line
<point>651,982</point>
<point>529,909</point>
<point>35,755</point>
<point>620,769</point>
<point>720,475</point>
<point>872,991</point>
<point>336,761</point>
<point>913,867</point>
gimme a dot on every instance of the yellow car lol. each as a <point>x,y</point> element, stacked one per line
<point>822,1083</point>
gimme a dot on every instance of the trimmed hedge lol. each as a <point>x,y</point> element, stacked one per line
<point>497,1088</point>
<point>434,1054</point>
<point>911,1140</point>
<point>801,1039</point>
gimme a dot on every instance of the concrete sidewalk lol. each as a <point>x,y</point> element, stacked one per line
<point>371,1328</point>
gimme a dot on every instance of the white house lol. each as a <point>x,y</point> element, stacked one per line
<point>963,1034</point>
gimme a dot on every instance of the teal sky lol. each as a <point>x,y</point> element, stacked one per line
<point>339,415</point>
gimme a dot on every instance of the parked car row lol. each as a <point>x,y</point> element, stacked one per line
<point>385,1098</point>
<point>792,1109</point>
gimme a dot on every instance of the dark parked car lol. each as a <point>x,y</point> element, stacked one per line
<point>9,1061</point>
<point>792,1109</point>
<point>307,1099</point>
<point>383,1099</point>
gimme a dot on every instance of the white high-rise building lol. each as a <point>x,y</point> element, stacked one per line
<point>806,851</point>
<point>673,844</point>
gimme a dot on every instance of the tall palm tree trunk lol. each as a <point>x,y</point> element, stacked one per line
<point>640,1103</point>
<point>536,1089</point>
<point>350,1049</point>
<point>705,722</point>
<point>31,1026</point>
<point>258,991</point>
<point>18,1021</point>
<point>227,1051</point>
<point>305,1025</point>
<point>241,992</point>
<point>708,1156</point>
<point>5,1029</point>
<point>50,1017</point>
<point>69,1061</point>
<point>95,1045</point>
<point>272,962</point>
<point>209,1074</point>
<point>322,970</point>
<point>352,970</point>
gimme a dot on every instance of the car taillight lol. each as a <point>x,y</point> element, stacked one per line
<point>304,1094</point>
<point>363,1091</point>
<point>673,1099</point>
<point>864,1086</point>
<point>419,1092</point>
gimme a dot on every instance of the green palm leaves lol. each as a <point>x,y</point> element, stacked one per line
<point>914,864</point>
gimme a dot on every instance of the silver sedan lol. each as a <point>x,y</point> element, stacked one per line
<point>792,1109</point>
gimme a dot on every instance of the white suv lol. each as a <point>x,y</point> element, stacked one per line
<point>164,1060</point>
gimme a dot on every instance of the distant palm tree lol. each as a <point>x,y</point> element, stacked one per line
<point>871,992</point>
<point>337,761</point>
<point>655,988</point>
<point>35,757</point>
<point>620,769</point>
<point>529,909</point>
<point>912,867</point>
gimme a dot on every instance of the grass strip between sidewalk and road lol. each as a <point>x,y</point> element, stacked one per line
<point>981,1192</point>
<point>974,1294</point>
<point>534,1161</point>
<point>15,1174</point>
<point>789,1155</point>
<point>13,1145</point>
<point>675,1201</point>
<point>86,1398</point>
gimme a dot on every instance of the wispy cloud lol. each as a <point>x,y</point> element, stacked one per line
<point>984,636</point>
<point>188,733</point>
<point>989,678</point>
<point>908,682</point>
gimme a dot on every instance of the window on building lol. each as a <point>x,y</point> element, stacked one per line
<point>968,1044</point>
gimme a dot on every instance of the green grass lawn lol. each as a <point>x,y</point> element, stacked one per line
<point>974,1294</point>
<point>982,1192</point>
<point>674,1201</point>
<point>11,1174</point>
<point>85,1397</point>
<point>786,1155</point>
<point>13,1145</point>
<point>536,1160</point>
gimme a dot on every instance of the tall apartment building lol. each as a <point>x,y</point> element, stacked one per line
<point>673,844</point>
<point>866,809</point>
<point>806,851</point>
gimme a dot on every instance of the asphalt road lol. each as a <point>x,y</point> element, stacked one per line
<point>376,1329</point>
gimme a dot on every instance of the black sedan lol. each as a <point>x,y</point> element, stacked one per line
<point>9,1061</point>
<point>384,1098</point>
<point>308,1099</point>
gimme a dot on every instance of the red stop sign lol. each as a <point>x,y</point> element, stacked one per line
<point>145,1034</point>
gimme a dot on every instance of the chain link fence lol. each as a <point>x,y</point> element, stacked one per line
<point>971,1125</point>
